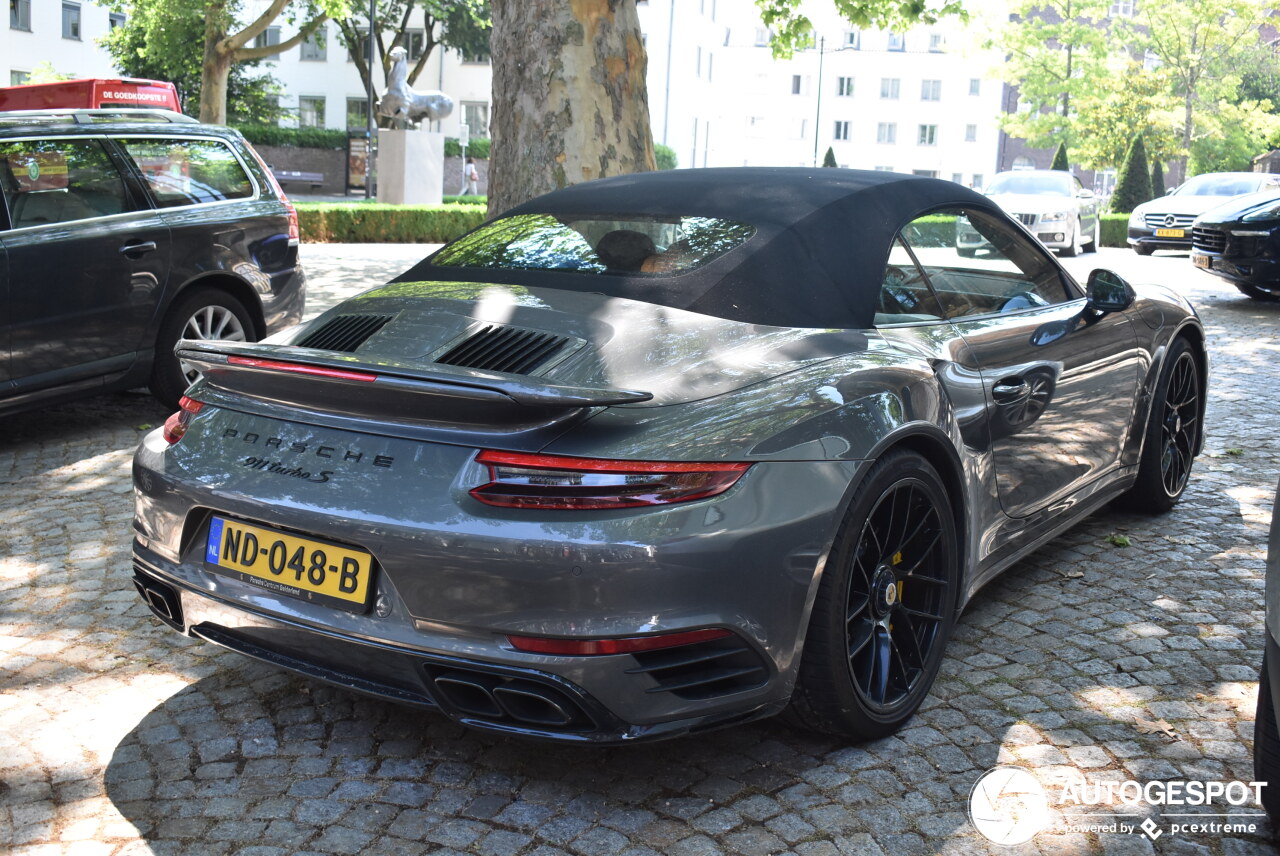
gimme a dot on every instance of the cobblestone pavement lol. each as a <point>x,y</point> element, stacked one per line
<point>118,736</point>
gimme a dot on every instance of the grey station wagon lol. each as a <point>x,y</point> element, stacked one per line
<point>122,232</point>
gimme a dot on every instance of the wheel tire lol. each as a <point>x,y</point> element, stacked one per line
<point>1143,249</point>
<point>1255,293</point>
<point>1074,248</point>
<point>205,313</point>
<point>870,693</point>
<point>1172,433</point>
<point>1266,747</point>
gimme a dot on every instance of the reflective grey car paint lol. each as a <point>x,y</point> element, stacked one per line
<point>811,407</point>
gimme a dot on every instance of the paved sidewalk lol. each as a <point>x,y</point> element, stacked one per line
<point>117,736</point>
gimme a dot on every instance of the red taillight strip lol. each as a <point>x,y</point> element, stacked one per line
<point>597,465</point>
<point>599,647</point>
<point>299,368</point>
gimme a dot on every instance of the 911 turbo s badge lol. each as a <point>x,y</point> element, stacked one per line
<point>280,469</point>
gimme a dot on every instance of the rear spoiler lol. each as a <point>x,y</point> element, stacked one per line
<point>391,389</point>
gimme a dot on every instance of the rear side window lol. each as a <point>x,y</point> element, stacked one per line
<point>59,181</point>
<point>189,172</point>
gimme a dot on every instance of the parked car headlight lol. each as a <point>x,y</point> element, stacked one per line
<point>1055,217</point>
<point>1137,220</point>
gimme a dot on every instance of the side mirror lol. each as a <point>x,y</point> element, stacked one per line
<point>1085,194</point>
<point>1107,291</point>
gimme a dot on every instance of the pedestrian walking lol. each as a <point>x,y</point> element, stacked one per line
<point>472,175</point>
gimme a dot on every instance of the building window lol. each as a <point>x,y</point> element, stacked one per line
<point>927,173</point>
<point>361,47</point>
<point>476,115</point>
<point>799,84</point>
<point>970,133</point>
<point>358,113</point>
<point>844,86</point>
<point>957,177</point>
<point>884,169</point>
<point>975,86</point>
<point>897,42</point>
<point>762,37</point>
<point>20,15</point>
<point>889,87</point>
<point>710,61</point>
<point>698,63</point>
<point>70,21</point>
<point>976,184</point>
<point>116,19</point>
<point>415,42</point>
<point>928,135</point>
<point>842,130</point>
<point>887,132</point>
<point>475,57</point>
<point>315,47</point>
<point>1122,9</point>
<point>17,78</point>
<point>268,37</point>
<point>936,42</point>
<point>310,110</point>
<point>852,39</point>
<point>931,90</point>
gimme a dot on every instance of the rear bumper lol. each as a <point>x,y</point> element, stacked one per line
<point>510,699</point>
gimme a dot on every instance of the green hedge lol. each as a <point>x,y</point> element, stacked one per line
<point>306,138</point>
<point>375,223</point>
<point>478,147</point>
<point>1115,228</point>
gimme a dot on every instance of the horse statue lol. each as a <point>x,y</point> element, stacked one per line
<point>403,104</point>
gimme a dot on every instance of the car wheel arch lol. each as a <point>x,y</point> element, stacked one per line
<point>231,285</point>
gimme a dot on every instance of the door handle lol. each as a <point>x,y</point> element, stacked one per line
<point>1010,390</point>
<point>138,248</point>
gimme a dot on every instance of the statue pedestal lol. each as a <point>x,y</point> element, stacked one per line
<point>410,167</point>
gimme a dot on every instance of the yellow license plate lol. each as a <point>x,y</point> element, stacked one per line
<point>305,568</point>
<point>1200,261</point>
<point>1171,233</point>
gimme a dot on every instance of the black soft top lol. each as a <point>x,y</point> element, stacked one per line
<point>817,259</point>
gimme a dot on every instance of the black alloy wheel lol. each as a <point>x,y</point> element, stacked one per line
<point>1172,435</point>
<point>1180,425</point>
<point>885,605</point>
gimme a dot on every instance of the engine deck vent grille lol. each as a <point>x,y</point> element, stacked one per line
<point>504,349</point>
<point>345,332</point>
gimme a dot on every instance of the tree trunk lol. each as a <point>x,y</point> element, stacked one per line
<point>217,66</point>
<point>569,97</point>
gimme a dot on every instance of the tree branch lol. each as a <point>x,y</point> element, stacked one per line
<point>236,41</point>
<point>241,54</point>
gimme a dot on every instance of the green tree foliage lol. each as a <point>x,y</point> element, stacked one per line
<point>1207,47</point>
<point>793,31</point>
<point>1231,135</point>
<point>1056,50</point>
<point>1060,160</point>
<point>829,159</point>
<point>665,156</point>
<point>155,43</point>
<point>44,72</point>
<point>463,25</point>
<point>1131,100</point>
<point>1157,179</point>
<point>1133,185</point>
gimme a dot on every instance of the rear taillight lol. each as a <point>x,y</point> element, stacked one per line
<point>600,647</point>
<point>176,425</point>
<point>520,480</point>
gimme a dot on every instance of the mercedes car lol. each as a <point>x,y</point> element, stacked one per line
<point>665,452</point>
<point>1165,223</point>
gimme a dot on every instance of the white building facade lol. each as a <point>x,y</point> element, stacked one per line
<point>62,32</point>
<point>921,101</point>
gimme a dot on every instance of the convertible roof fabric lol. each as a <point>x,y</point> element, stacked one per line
<point>817,259</point>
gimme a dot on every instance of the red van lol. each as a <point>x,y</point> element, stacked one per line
<point>89,93</point>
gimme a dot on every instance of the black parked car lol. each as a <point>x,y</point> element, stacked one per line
<point>1266,727</point>
<point>124,231</point>
<point>1240,241</point>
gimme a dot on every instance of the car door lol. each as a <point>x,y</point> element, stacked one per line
<point>1060,382</point>
<point>87,261</point>
<point>1087,204</point>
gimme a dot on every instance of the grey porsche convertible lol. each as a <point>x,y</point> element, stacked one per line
<point>660,453</point>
